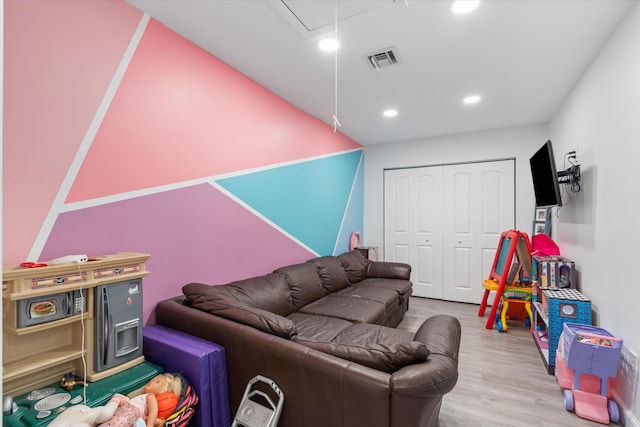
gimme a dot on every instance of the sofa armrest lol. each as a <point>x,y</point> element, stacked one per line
<point>389,270</point>
<point>439,374</point>
<point>435,377</point>
<point>441,335</point>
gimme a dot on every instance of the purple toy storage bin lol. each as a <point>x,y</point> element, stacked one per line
<point>586,356</point>
<point>586,360</point>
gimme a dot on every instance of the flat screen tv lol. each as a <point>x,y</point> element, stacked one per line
<point>545,177</point>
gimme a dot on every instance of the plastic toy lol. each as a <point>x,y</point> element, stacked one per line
<point>69,381</point>
<point>513,245</point>
<point>586,360</point>
<point>121,410</point>
<point>167,402</point>
<point>516,306</point>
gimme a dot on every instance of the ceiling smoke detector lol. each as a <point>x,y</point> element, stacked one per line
<point>383,58</point>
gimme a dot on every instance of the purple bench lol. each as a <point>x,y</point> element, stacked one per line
<point>201,362</point>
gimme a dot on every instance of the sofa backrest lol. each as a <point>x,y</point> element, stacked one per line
<point>288,288</point>
<point>355,265</point>
<point>331,273</point>
<point>304,283</point>
<point>269,292</point>
<point>219,300</point>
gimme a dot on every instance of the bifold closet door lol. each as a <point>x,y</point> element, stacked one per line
<point>446,222</point>
<point>413,225</point>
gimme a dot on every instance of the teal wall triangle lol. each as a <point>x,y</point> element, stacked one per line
<point>308,200</point>
<point>354,215</point>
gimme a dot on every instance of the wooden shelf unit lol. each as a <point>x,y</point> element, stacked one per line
<point>551,310</point>
<point>37,355</point>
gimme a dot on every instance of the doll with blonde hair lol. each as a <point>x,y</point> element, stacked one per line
<point>142,403</point>
<point>123,411</point>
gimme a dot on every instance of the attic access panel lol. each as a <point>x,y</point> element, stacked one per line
<point>312,17</point>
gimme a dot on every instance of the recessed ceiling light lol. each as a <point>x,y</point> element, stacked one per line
<point>390,113</point>
<point>471,99</point>
<point>464,6</point>
<point>329,45</point>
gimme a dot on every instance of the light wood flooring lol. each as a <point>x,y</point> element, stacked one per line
<point>502,379</point>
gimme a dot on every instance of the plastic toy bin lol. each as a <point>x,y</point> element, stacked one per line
<point>588,355</point>
<point>587,359</point>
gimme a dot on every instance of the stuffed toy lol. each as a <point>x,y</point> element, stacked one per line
<point>141,404</point>
<point>69,381</point>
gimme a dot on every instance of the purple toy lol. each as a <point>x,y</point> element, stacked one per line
<point>586,359</point>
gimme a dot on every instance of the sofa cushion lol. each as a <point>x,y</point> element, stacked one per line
<point>238,311</point>
<point>377,347</point>
<point>269,292</point>
<point>400,286</point>
<point>316,327</point>
<point>304,283</point>
<point>355,265</point>
<point>356,310</point>
<point>331,272</point>
<point>388,297</point>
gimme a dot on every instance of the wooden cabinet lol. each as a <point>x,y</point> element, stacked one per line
<point>39,354</point>
<point>369,252</point>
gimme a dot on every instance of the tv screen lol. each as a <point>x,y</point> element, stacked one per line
<point>545,177</point>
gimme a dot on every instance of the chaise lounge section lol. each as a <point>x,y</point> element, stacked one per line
<point>324,331</point>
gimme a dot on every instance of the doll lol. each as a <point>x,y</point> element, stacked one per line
<point>85,416</point>
<point>143,403</point>
<point>121,410</point>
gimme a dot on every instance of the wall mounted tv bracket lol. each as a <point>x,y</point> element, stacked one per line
<point>571,175</point>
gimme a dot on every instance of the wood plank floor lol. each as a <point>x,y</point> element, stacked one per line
<point>502,379</point>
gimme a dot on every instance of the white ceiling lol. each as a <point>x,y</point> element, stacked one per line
<point>522,56</point>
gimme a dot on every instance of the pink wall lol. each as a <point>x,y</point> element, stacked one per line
<point>59,57</point>
<point>142,176</point>
<point>181,114</point>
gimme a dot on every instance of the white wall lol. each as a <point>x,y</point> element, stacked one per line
<point>600,226</point>
<point>519,143</point>
<point>601,229</point>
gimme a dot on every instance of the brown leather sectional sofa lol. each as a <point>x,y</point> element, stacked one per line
<point>324,332</point>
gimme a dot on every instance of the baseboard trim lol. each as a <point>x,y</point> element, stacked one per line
<point>625,413</point>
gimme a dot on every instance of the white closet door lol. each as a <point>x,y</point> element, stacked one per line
<point>413,225</point>
<point>446,222</point>
<point>479,206</point>
<point>397,212</point>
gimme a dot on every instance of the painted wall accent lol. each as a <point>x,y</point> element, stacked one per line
<point>59,57</point>
<point>194,234</point>
<point>174,120</point>
<point>181,114</point>
<point>354,214</point>
<point>303,199</point>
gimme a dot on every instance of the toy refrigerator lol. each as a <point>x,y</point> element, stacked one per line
<point>118,325</point>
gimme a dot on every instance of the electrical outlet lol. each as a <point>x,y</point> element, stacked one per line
<point>629,363</point>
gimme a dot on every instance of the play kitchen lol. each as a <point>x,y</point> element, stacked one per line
<point>39,407</point>
<point>69,318</point>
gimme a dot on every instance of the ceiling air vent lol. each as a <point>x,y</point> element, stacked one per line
<point>382,59</point>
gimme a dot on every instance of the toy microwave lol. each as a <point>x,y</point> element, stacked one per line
<point>46,308</point>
